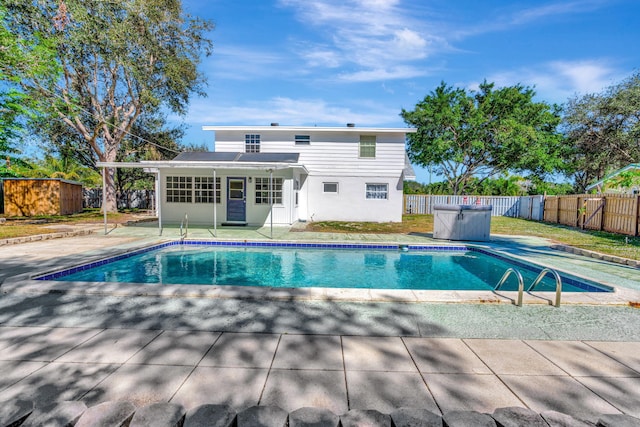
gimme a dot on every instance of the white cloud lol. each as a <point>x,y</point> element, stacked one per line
<point>559,80</point>
<point>374,37</point>
<point>240,63</point>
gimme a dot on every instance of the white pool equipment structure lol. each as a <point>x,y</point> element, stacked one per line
<point>462,222</point>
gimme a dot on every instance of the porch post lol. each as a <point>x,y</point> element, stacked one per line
<point>104,197</point>
<point>271,199</point>
<point>215,204</point>
<point>159,202</point>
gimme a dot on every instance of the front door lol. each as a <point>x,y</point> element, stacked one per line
<point>236,200</point>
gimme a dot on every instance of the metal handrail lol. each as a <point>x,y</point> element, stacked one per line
<point>520,283</point>
<point>185,223</point>
<point>558,283</point>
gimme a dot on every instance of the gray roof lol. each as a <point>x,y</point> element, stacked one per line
<point>215,156</point>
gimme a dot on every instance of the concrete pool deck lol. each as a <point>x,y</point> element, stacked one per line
<point>334,353</point>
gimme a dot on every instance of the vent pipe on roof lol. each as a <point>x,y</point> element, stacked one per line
<point>351,125</point>
<point>275,124</point>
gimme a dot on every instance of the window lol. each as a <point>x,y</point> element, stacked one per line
<point>367,146</point>
<point>330,187</point>
<point>303,139</point>
<point>377,191</point>
<point>179,189</point>
<point>203,189</point>
<point>187,189</point>
<point>262,191</point>
<point>251,143</point>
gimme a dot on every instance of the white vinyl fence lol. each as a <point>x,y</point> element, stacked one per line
<point>530,207</point>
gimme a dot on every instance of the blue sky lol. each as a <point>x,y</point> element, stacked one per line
<point>332,62</point>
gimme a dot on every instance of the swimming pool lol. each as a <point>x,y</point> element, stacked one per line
<point>300,265</point>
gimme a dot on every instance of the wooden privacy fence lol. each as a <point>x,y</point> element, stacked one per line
<point>616,213</point>
<point>424,203</point>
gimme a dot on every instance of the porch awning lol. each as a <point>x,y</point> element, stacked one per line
<point>218,160</point>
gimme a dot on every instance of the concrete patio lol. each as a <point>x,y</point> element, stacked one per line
<point>582,360</point>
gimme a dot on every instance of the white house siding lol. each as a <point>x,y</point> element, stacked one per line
<point>333,156</point>
<point>202,213</point>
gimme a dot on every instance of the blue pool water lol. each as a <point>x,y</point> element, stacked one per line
<point>378,267</point>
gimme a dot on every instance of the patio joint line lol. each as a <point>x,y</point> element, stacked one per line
<point>344,370</point>
<point>495,374</point>
<point>195,367</point>
<point>421,376</point>
<point>273,358</point>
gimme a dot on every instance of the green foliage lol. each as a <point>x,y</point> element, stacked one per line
<point>484,133</point>
<point>121,60</point>
<point>625,180</point>
<point>603,131</point>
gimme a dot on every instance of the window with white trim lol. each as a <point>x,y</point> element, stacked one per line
<point>203,191</point>
<point>196,189</point>
<point>252,143</point>
<point>262,191</point>
<point>302,139</point>
<point>377,191</point>
<point>179,189</point>
<point>367,147</point>
<point>329,187</point>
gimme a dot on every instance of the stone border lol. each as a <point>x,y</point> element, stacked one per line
<point>596,255</point>
<point>122,413</point>
<point>48,236</point>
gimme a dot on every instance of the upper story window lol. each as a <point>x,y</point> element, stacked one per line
<point>367,148</point>
<point>252,143</point>
<point>302,139</point>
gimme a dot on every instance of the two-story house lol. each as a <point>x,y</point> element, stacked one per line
<point>281,174</point>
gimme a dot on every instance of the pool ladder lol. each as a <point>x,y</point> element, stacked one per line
<point>543,273</point>
<point>184,224</point>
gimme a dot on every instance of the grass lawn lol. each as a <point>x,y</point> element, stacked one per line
<point>608,243</point>
<point>20,227</point>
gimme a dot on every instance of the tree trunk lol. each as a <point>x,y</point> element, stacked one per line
<point>111,204</point>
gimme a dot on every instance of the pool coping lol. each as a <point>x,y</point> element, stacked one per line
<point>26,283</point>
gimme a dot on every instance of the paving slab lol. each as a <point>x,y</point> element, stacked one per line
<point>623,393</point>
<point>579,359</point>
<point>107,414</point>
<point>239,388</point>
<point>376,354</point>
<point>313,417</point>
<point>48,344</point>
<point>176,348</point>
<point>627,353</point>
<point>210,416</point>
<point>459,392</point>
<point>444,356</point>
<point>13,371</point>
<point>139,384</point>
<point>159,415</point>
<point>512,357</point>
<point>415,417</point>
<point>242,350</point>
<point>558,393</point>
<point>263,416</point>
<point>293,389</point>
<point>58,382</point>
<point>110,346</point>
<point>387,391</point>
<point>309,352</point>
<point>13,412</point>
<point>12,335</point>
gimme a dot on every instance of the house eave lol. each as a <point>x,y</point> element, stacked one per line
<point>309,129</point>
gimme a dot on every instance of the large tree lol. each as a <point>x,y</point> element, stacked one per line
<point>466,134</point>
<point>604,130</point>
<point>119,59</point>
